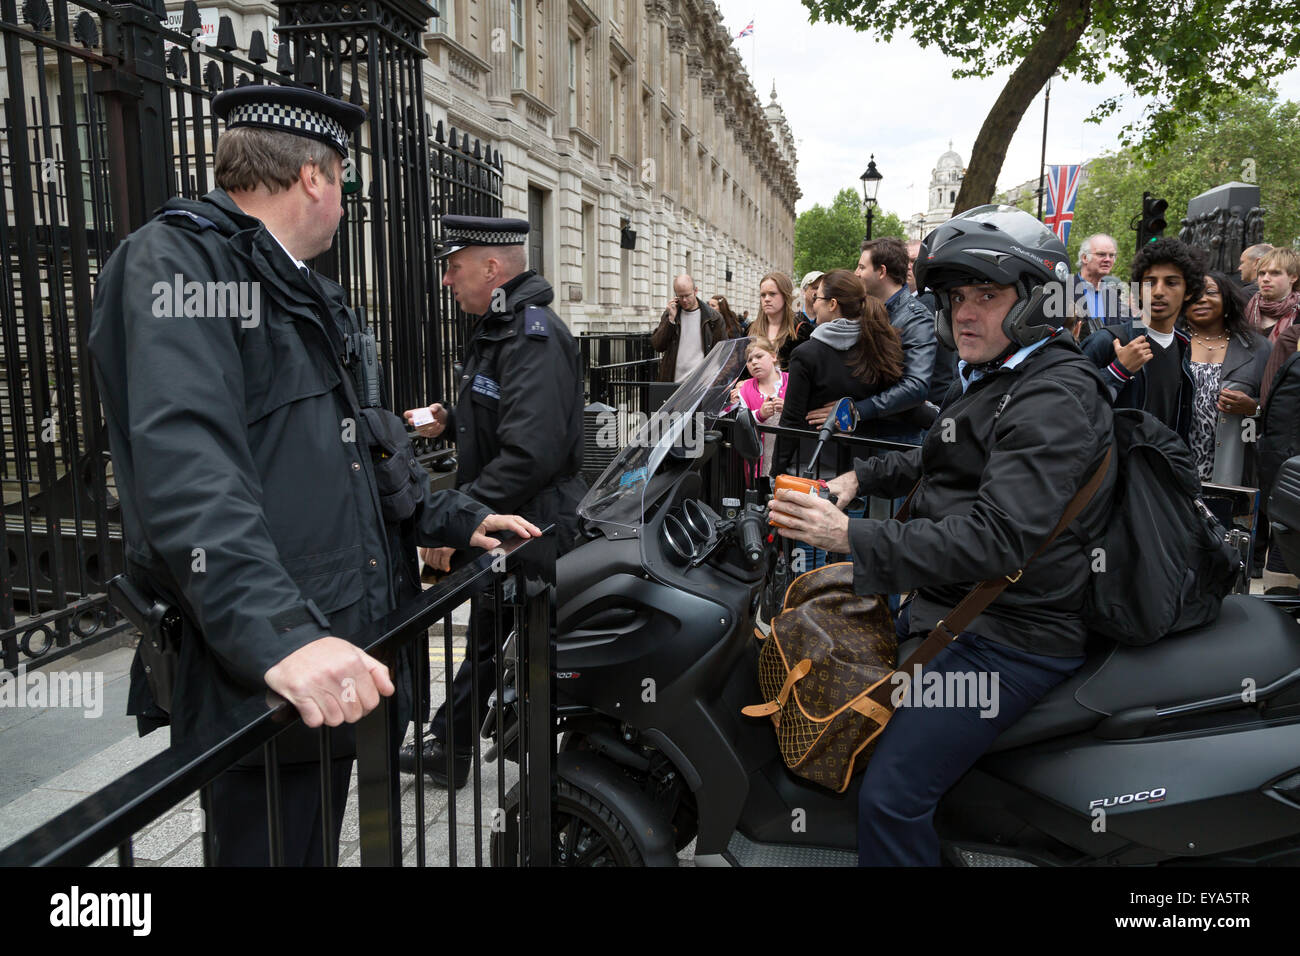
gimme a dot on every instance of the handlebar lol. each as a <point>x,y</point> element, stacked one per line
<point>751,536</point>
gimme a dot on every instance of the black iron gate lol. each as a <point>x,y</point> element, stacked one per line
<point>107,115</point>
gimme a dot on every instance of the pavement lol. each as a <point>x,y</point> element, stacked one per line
<point>54,757</point>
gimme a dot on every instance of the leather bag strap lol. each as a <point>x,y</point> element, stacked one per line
<point>796,674</point>
<point>905,509</point>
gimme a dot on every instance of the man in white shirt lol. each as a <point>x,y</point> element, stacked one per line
<point>687,331</point>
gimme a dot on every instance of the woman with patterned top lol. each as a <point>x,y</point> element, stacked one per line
<point>1227,363</point>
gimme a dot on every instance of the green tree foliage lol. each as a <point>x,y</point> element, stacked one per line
<point>1253,134</point>
<point>828,238</point>
<point>1177,57</point>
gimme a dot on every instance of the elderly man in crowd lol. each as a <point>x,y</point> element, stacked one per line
<point>1099,300</point>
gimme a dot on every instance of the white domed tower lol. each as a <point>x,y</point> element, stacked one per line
<point>945,184</point>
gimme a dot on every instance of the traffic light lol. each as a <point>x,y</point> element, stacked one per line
<point>1151,225</point>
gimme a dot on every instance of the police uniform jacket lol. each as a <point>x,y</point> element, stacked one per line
<point>240,453</point>
<point>517,421</point>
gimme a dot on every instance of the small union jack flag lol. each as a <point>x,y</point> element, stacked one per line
<point>749,29</point>
<point>1062,190</point>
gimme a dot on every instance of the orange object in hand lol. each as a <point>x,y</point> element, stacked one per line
<point>807,486</point>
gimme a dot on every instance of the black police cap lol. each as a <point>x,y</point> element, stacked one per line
<point>462,231</point>
<point>290,109</point>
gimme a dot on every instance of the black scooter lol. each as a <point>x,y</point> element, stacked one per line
<point>1186,751</point>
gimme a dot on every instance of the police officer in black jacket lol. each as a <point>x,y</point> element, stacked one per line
<point>517,424</point>
<point>263,490</point>
<point>1028,427</point>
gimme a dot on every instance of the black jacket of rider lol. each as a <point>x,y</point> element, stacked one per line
<point>993,486</point>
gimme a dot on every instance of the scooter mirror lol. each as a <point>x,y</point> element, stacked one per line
<point>846,416</point>
<point>745,436</point>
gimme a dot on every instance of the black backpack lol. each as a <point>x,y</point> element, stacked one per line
<point>1164,562</point>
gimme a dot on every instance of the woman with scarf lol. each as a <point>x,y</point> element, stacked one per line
<point>854,353</point>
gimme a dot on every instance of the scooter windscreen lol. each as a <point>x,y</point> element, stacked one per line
<point>675,433</point>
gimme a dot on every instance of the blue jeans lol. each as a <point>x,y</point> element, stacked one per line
<point>924,750</point>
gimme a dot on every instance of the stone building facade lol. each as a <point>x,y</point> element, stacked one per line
<point>614,117</point>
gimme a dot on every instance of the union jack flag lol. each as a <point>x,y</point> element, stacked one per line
<point>747,31</point>
<point>1062,190</point>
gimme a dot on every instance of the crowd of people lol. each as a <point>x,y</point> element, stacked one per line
<point>1200,350</point>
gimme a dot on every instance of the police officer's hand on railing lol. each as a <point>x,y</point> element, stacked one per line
<point>432,429</point>
<point>845,488</point>
<point>511,523</point>
<point>440,558</point>
<point>330,681</point>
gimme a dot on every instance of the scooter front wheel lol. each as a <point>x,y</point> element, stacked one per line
<point>584,832</point>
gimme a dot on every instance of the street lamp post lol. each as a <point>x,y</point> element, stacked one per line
<point>870,183</point>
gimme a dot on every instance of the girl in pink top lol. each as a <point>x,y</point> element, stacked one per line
<point>763,394</point>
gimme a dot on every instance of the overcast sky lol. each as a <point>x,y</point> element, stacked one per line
<point>847,96</point>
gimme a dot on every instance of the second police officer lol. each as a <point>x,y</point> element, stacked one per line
<point>517,425</point>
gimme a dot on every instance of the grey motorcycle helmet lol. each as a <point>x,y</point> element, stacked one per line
<point>999,244</point>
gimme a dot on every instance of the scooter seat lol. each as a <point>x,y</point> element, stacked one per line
<point>1251,645</point>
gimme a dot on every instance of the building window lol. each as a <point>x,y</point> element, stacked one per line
<point>625,272</point>
<point>589,80</point>
<point>517,60</point>
<point>573,81</point>
<point>537,232</point>
<point>952,197</point>
<point>445,21</point>
<point>590,258</point>
<point>611,135</point>
<point>621,115</point>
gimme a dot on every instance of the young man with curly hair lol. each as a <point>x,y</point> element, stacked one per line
<point>1147,362</point>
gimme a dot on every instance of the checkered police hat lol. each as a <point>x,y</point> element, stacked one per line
<point>290,109</point>
<point>461,231</point>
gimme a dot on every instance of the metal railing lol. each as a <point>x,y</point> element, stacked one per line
<point>619,368</point>
<point>519,819</point>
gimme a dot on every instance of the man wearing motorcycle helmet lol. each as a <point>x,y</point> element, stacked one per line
<point>1025,424</point>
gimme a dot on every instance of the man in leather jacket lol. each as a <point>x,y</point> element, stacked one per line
<point>672,333</point>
